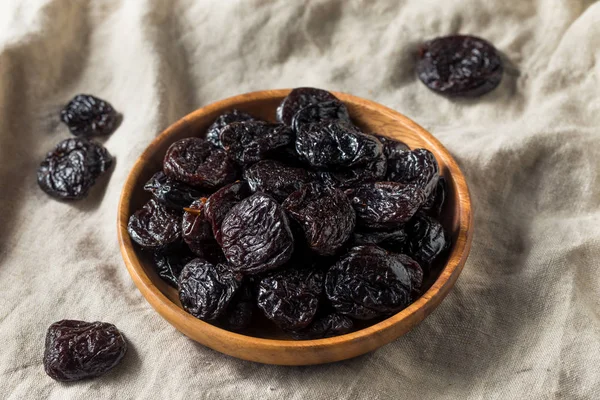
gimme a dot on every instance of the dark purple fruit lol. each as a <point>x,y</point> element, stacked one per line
<point>252,141</point>
<point>172,193</point>
<point>86,115</point>
<point>221,201</point>
<point>417,167</point>
<point>325,326</point>
<point>276,179</point>
<point>300,98</point>
<point>78,350</point>
<point>155,227</point>
<point>213,132</point>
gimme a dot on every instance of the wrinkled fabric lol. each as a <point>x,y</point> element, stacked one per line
<point>523,320</point>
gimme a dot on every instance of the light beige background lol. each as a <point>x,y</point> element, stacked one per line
<point>524,318</point>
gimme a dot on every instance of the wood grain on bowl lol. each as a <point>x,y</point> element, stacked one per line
<point>371,117</point>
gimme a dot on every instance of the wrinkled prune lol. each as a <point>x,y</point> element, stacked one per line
<point>256,235</point>
<point>276,179</point>
<point>426,239</point>
<point>368,282</point>
<point>385,205</point>
<point>221,201</point>
<point>70,170</point>
<point>386,239</point>
<point>197,232</point>
<point>459,65</point>
<point>346,178</point>
<point>320,113</point>
<point>435,201</point>
<point>326,326</point>
<point>238,315</point>
<point>172,193</point>
<point>154,226</point>
<point>169,265</point>
<point>86,115</point>
<point>205,289</point>
<point>325,215</point>
<point>299,98</point>
<point>252,141</point>
<point>290,297</point>
<point>417,167</point>
<point>199,163</point>
<point>392,148</point>
<point>213,132</point>
<point>78,350</point>
<point>336,145</point>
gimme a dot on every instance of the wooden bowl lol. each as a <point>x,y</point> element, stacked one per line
<point>371,117</point>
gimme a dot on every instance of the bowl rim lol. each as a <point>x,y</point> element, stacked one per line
<point>435,294</point>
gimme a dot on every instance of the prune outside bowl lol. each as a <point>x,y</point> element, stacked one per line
<point>264,345</point>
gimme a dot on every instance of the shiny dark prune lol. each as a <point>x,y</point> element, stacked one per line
<point>213,132</point>
<point>418,167</point>
<point>386,239</point>
<point>199,163</point>
<point>325,215</point>
<point>197,232</point>
<point>276,179</point>
<point>459,65</point>
<point>290,297</point>
<point>205,289</point>
<point>347,178</point>
<point>78,350</point>
<point>221,201</point>
<point>426,239</point>
<point>154,226</point>
<point>70,170</point>
<point>252,141</point>
<point>329,325</point>
<point>256,235</point>
<point>299,98</point>
<point>239,313</point>
<point>320,113</point>
<point>336,145</point>
<point>369,282</point>
<point>172,193</point>
<point>86,115</point>
<point>416,274</point>
<point>169,265</point>
<point>385,205</point>
<point>392,148</point>
<point>435,202</point>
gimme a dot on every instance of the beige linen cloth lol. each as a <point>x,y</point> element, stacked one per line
<point>524,318</point>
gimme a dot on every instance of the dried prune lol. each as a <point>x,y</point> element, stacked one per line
<point>434,203</point>
<point>385,205</point>
<point>336,145</point>
<point>418,167</point>
<point>426,239</point>
<point>345,178</point>
<point>155,227</point>
<point>290,297</point>
<point>220,202</point>
<point>459,65</point>
<point>78,350</point>
<point>368,282</point>
<point>299,98</point>
<point>205,289</point>
<point>325,215</point>
<point>321,112</point>
<point>86,115</point>
<point>276,179</point>
<point>172,193</point>
<point>256,235</point>
<point>386,239</point>
<point>199,163</point>
<point>329,325</point>
<point>169,265</point>
<point>70,170</point>
<point>252,141</point>
<point>392,148</point>
<point>195,228</point>
<point>238,314</point>
<point>214,130</point>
